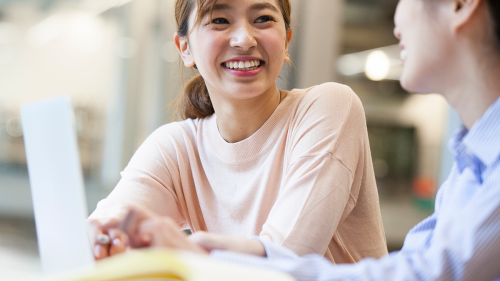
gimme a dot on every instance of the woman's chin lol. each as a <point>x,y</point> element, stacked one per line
<point>405,83</point>
<point>411,83</point>
<point>246,90</point>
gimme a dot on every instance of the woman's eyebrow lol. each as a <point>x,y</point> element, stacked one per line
<point>216,7</point>
<point>227,7</point>
<point>264,6</point>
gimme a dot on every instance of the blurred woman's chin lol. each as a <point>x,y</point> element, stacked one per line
<point>406,83</point>
<point>412,83</point>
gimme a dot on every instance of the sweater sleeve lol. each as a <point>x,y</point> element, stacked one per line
<point>146,182</point>
<point>316,193</point>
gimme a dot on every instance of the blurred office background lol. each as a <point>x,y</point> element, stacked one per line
<point>117,61</point>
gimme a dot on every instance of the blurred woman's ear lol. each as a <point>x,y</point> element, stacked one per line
<point>463,12</point>
<point>183,48</point>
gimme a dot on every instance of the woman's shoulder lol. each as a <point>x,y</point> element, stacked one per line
<point>329,98</point>
<point>324,117</point>
<point>177,132</point>
<point>339,93</point>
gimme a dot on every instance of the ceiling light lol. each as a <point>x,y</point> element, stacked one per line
<point>377,65</point>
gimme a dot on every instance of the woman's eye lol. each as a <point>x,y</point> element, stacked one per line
<point>264,19</point>
<point>220,21</point>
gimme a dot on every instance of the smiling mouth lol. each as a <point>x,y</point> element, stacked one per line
<point>243,65</point>
<point>403,54</point>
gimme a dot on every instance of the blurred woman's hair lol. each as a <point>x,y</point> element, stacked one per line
<point>194,101</point>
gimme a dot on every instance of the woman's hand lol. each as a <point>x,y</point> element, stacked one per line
<point>118,240</point>
<point>145,230</point>
<point>210,241</point>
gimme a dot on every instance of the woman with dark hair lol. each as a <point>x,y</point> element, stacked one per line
<point>292,167</point>
<point>451,47</point>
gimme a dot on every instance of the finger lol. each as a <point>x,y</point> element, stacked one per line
<point>119,241</point>
<point>101,251</point>
<point>207,241</point>
<point>94,228</point>
<point>130,226</point>
<point>159,232</point>
<point>109,223</point>
<point>150,233</point>
<point>165,232</point>
<point>129,222</point>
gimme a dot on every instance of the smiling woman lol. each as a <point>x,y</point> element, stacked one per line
<point>195,101</point>
<point>291,167</point>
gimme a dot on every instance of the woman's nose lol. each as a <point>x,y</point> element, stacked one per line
<point>397,20</point>
<point>397,33</point>
<point>243,38</point>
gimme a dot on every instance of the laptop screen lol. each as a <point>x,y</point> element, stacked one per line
<point>56,185</point>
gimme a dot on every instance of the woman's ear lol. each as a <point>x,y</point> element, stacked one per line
<point>464,10</point>
<point>183,48</point>
<point>289,34</point>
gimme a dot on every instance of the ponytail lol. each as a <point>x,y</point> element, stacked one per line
<point>194,102</point>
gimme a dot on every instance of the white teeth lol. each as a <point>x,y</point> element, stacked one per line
<point>242,65</point>
<point>403,54</point>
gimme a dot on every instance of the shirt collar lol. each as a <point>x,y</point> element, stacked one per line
<point>463,156</point>
<point>480,147</point>
<point>483,139</point>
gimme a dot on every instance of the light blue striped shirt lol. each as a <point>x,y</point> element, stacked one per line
<point>459,241</point>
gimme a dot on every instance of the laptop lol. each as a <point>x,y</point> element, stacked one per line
<point>57,185</point>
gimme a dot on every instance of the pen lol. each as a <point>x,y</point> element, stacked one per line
<point>103,239</point>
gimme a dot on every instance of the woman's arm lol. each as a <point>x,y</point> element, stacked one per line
<point>140,229</point>
<point>146,184</point>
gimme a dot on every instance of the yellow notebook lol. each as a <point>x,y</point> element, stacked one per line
<point>156,265</point>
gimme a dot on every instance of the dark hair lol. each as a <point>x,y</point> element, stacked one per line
<point>495,15</point>
<point>194,102</point>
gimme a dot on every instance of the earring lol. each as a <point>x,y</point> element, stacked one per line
<point>287,57</point>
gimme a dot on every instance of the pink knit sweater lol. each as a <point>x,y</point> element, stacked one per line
<point>303,180</point>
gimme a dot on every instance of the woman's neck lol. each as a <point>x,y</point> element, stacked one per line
<point>475,87</point>
<point>473,83</point>
<point>238,119</point>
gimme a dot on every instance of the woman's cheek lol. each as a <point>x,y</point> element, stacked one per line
<point>275,47</point>
<point>209,46</point>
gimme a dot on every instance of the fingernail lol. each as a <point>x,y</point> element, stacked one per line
<point>97,251</point>
<point>117,242</point>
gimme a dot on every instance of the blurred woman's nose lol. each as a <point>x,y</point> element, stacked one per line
<point>396,33</point>
<point>243,38</point>
<point>397,19</point>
